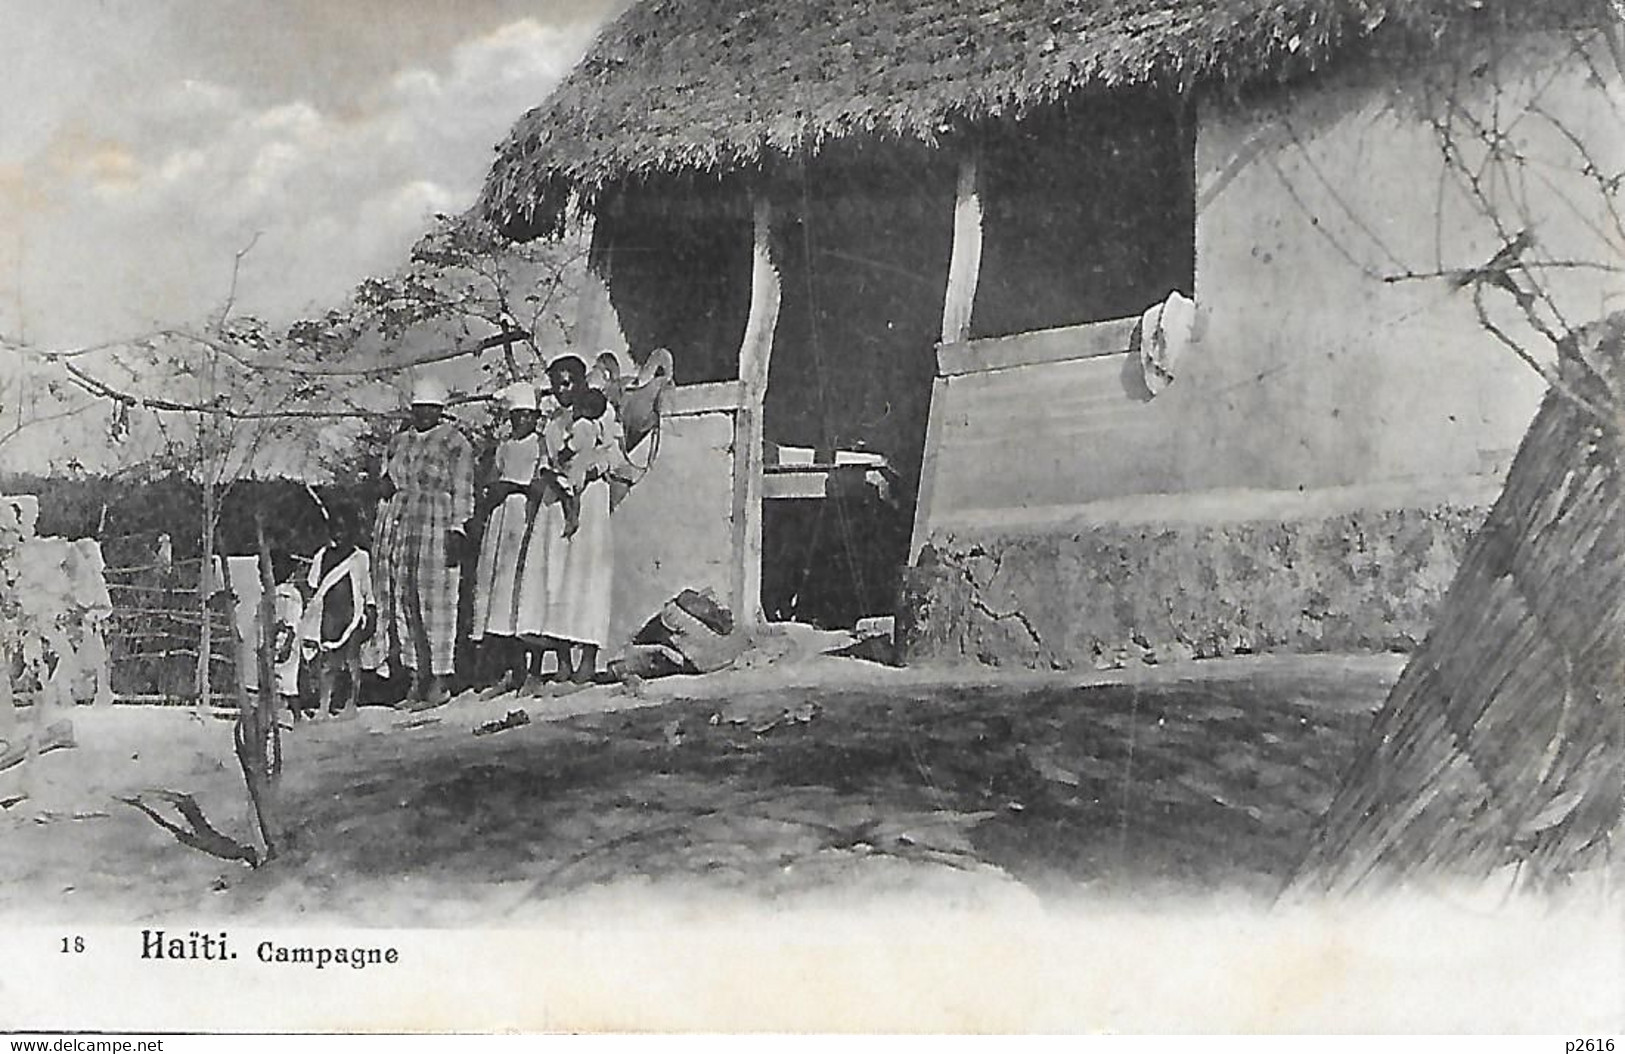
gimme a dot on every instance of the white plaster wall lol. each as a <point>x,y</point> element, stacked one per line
<point>1047,435</point>
<point>1313,371</point>
<point>597,326</point>
<point>674,530</point>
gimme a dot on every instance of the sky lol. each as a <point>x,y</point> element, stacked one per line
<point>143,143</point>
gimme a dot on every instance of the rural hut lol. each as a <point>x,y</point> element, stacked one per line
<point>1088,328</point>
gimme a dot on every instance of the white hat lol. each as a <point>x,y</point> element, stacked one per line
<point>1166,331</point>
<point>519,396</point>
<point>428,391</point>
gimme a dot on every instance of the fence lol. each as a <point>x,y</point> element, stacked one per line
<point>155,627</point>
<point>155,631</point>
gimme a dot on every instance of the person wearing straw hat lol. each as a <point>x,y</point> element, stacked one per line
<point>430,469</point>
<point>502,565</point>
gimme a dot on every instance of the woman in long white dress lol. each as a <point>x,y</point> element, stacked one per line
<point>583,447</point>
<point>542,550</point>
<point>502,567</point>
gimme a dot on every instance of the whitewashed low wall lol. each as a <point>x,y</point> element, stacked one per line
<point>675,528</point>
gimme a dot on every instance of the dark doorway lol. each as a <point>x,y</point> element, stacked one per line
<point>862,238</point>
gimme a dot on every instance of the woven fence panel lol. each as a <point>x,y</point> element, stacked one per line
<point>1503,742</point>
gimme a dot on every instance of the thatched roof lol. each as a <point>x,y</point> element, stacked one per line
<point>715,85</point>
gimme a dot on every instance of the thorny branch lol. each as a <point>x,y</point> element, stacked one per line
<point>217,408</point>
<point>1547,372</point>
<point>1331,191</point>
<point>1314,221</point>
<point>1609,185</point>
<point>270,362</point>
<point>1457,273</point>
<point>1501,182</point>
<point>1472,183</point>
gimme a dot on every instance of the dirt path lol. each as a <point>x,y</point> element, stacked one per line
<point>839,780</point>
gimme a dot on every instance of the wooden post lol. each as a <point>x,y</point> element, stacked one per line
<point>8,712</point>
<point>965,263</point>
<point>755,351</point>
<point>258,740</point>
<point>11,538</point>
<point>964,268</point>
<point>205,591</point>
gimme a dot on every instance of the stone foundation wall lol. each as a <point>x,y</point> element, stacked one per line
<point>1106,594</point>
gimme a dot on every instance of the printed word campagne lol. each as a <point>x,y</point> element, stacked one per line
<point>197,946</point>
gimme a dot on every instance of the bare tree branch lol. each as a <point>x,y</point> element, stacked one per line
<point>1473,184</point>
<point>96,386</point>
<point>270,363</point>
<point>1547,372</point>
<point>1609,186</point>
<point>1337,198</point>
<point>24,424</point>
<point>1315,222</point>
<point>196,832</point>
<point>236,271</point>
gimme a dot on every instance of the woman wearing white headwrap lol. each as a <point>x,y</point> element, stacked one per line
<point>502,565</point>
<point>430,469</point>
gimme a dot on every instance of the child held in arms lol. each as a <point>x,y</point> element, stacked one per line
<point>583,444</point>
<point>588,453</point>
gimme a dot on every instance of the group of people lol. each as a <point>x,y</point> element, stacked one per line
<point>545,566</point>
<point>544,569</point>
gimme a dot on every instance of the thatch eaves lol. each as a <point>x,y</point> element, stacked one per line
<point>717,85</point>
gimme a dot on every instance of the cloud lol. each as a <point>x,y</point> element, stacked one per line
<point>136,211</point>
